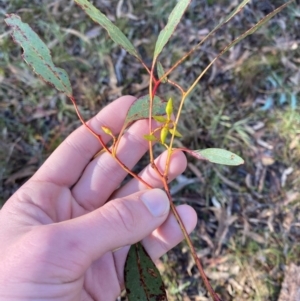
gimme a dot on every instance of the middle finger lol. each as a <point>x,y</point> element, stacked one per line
<point>103,175</point>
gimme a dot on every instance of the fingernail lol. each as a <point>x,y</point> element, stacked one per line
<point>156,201</point>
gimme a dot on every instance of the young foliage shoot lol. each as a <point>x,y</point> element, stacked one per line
<point>142,279</point>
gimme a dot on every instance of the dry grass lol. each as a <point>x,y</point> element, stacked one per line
<point>249,217</point>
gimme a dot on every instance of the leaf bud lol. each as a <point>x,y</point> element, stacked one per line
<point>107,131</point>
<point>169,108</point>
<point>164,134</point>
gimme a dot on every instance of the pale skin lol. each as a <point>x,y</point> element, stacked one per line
<point>61,239</point>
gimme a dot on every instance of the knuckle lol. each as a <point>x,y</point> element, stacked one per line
<point>125,218</point>
<point>38,241</point>
<point>163,246</point>
<point>137,140</point>
<point>113,173</point>
<point>82,149</point>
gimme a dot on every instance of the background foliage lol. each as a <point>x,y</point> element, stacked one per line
<point>249,216</point>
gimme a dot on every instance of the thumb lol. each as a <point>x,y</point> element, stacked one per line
<point>118,223</point>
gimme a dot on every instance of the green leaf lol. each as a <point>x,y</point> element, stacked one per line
<point>140,109</point>
<point>161,72</point>
<point>160,119</point>
<point>177,134</point>
<point>173,21</point>
<point>220,156</point>
<point>142,279</point>
<point>150,137</point>
<point>115,33</point>
<point>37,55</point>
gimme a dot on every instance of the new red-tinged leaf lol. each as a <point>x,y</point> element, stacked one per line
<point>114,32</point>
<point>142,278</point>
<point>37,55</point>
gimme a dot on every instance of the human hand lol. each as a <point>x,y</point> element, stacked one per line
<point>58,233</point>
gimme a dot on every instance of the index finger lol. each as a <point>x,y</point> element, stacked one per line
<point>68,161</point>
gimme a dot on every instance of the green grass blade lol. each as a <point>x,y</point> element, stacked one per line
<point>142,278</point>
<point>114,32</point>
<point>173,21</point>
<point>37,55</point>
<point>140,109</point>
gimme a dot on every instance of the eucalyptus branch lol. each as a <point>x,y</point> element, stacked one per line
<point>238,39</point>
<point>226,20</point>
<point>151,95</point>
<point>177,86</point>
<point>99,138</point>
<point>38,57</point>
<point>191,246</point>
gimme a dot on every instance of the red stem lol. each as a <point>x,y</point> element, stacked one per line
<point>190,244</point>
<point>105,147</point>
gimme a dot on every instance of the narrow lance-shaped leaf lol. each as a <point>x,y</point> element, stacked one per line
<point>115,33</point>
<point>142,278</point>
<point>37,55</point>
<point>215,155</point>
<point>173,21</point>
